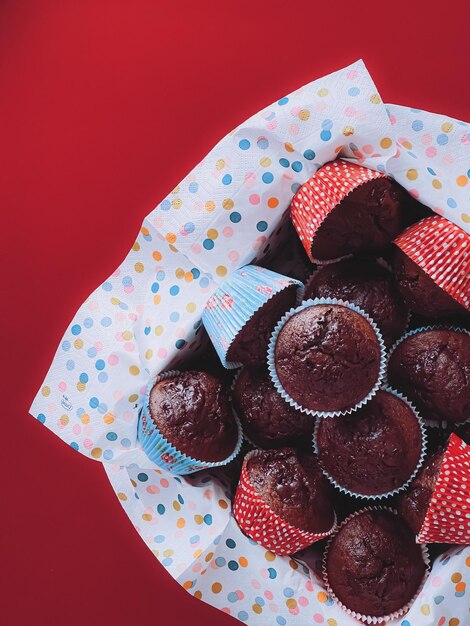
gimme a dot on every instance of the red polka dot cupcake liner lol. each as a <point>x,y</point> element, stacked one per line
<point>442,250</point>
<point>448,515</point>
<point>372,619</point>
<point>315,200</point>
<point>259,522</point>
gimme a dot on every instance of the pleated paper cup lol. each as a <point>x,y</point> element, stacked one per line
<point>372,619</point>
<point>385,494</point>
<point>272,364</point>
<point>442,250</point>
<point>259,522</point>
<point>162,452</point>
<point>431,423</point>
<point>315,200</point>
<point>448,514</point>
<point>236,301</point>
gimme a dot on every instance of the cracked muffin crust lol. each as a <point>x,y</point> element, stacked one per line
<point>375,449</point>
<point>369,286</point>
<point>368,218</point>
<point>432,368</point>
<point>373,564</point>
<point>267,419</point>
<point>192,411</point>
<point>420,292</point>
<point>293,485</point>
<point>414,503</point>
<point>327,357</point>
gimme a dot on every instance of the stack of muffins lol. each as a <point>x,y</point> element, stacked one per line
<point>350,391</point>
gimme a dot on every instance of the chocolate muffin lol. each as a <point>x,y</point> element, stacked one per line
<point>292,483</point>
<point>192,411</point>
<point>369,286</point>
<point>290,259</point>
<point>432,368</point>
<point>327,358</point>
<point>375,449</point>
<point>373,565</point>
<point>251,344</point>
<point>267,419</point>
<point>421,293</point>
<point>368,218</point>
<point>413,505</point>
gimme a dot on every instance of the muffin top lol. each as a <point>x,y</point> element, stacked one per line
<point>327,357</point>
<point>293,485</point>
<point>290,258</point>
<point>413,505</point>
<point>373,564</point>
<point>369,286</point>
<point>420,292</point>
<point>375,449</point>
<point>432,368</point>
<point>368,218</point>
<point>191,410</point>
<point>267,419</point>
<point>251,344</point>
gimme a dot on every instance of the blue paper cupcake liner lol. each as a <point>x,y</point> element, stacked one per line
<point>402,487</point>
<point>237,300</point>
<point>272,366</point>
<point>429,422</point>
<point>162,452</point>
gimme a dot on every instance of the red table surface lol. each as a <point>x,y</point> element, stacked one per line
<point>104,107</point>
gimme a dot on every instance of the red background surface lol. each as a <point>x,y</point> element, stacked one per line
<point>104,107</point>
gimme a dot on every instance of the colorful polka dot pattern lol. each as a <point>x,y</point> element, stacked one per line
<point>448,516</point>
<point>442,250</point>
<point>147,315</point>
<point>322,193</point>
<point>187,524</point>
<point>243,293</point>
<point>223,213</point>
<point>433,161</point>
<point>263,525</point>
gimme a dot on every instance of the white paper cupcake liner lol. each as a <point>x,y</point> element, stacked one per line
<point>235,302</point>
<point>372,619</point>
<point>431,423</point>
<point>162,452</point>
<point>397,490</point>
<point>272,367</point>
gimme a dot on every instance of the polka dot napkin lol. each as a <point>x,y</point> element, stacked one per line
<point>147,314</point>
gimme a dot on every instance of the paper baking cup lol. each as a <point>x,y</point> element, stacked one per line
<point>429,422</point>
<point>442,250</point>
<point>162,452</point>
<point>372,619</point>
<point>237,300</point>
<point>315,200</point>
<point>272,367</point>
<point>448,514</point>
<point>257,520</point>
<point>397,489</point>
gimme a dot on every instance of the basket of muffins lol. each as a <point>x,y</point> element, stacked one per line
<point>336,391</point>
